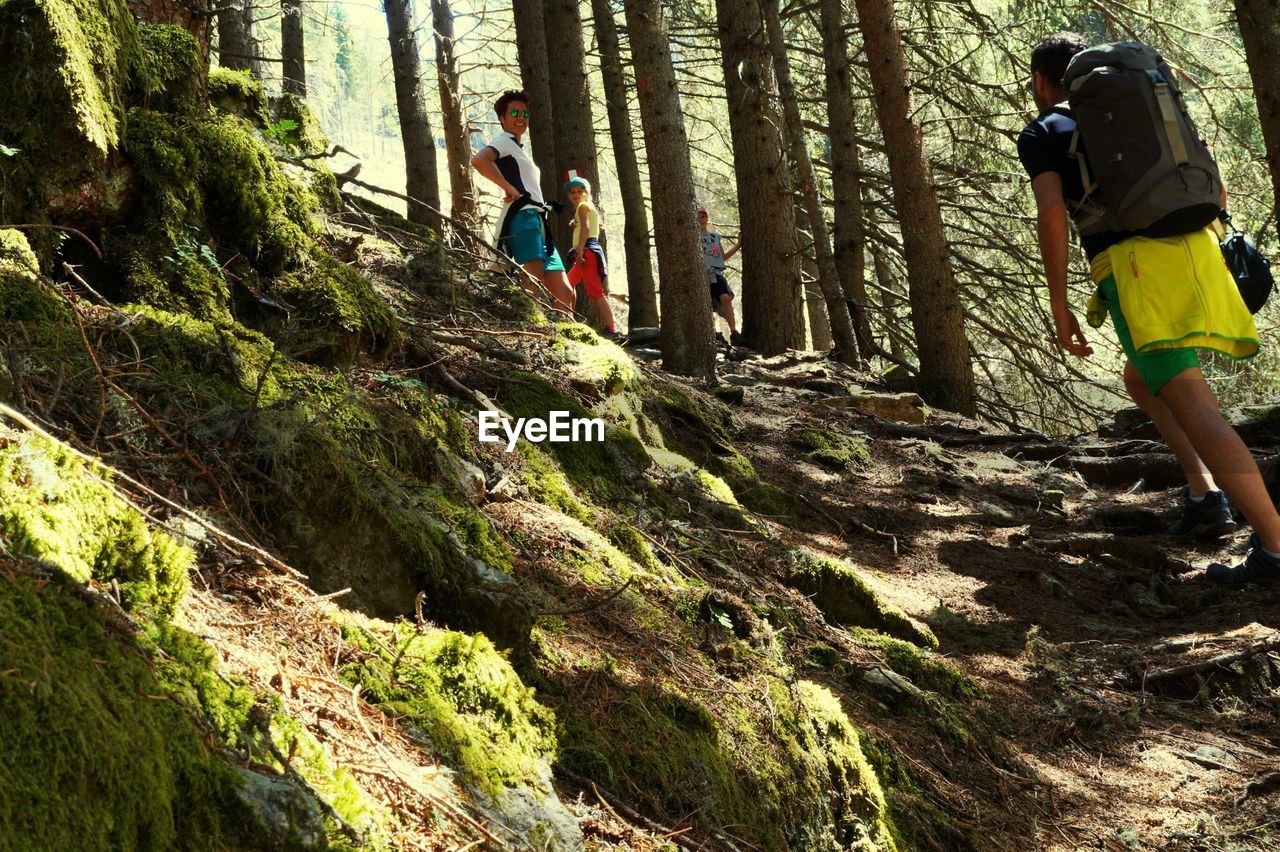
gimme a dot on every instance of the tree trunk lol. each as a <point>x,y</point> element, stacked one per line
<point>415,127</point>
<point>462,204</point>
<point>814,306</point>
<point>642,299</point>
<point>575,132</point>
<point>848,231</point>
<point>890,301</point>
<point>686,319</point>
<point>1259,22</point>
<point>771,290</point>
<point>846,344</point>
<point>946,372</point>
<point>235,39</point>
<point>292,48</point>
<point>535,74</point>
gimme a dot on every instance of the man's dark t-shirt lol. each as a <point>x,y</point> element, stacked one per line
<point>1043,146</point>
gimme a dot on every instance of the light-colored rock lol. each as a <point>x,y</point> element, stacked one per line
<point>899,407</point>
<point>535,815</point>
<point>284,811</point>
<point>503,491</point>
<point>468,479</point>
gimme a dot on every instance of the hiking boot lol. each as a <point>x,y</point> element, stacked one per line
<point>721,341</point>
<point>1257,567</point>
<point>616,336</point>
<point>1210,518</point>
<point>736,339</point>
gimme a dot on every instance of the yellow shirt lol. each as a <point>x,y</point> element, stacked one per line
<point>593,221</point>
<point>1176,293</point>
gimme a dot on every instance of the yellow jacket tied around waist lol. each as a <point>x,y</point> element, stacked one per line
<point>1176,293</point>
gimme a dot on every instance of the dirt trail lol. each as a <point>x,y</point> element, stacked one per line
<point>1142,703</point>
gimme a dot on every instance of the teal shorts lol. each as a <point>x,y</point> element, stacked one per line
<point>526,243</point>
<point>1155,367</point>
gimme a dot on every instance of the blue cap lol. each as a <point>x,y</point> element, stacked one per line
<point>578,181</point>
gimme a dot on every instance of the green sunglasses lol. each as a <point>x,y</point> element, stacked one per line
<point>519,113</point>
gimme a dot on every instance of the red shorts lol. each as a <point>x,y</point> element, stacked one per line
<point>587,274</point>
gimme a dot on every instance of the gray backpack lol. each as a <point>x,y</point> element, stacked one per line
<point>1151,173</point>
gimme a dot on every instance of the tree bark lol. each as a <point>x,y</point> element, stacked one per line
<point>235,36</point>
<point>1259,22</point>
<point>574,130</point>
<point>848,233</point>
<point>814,306</point>
<point>535,75</point>
<point>772,321</point>
<point>419,143</point>
<point>846,344</point>
<point>293,48</point>
<point>686,320</point>
<point>642,299</point>
<point>946,372</point>
<point>462,198</point>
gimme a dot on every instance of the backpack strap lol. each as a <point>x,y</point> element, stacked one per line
<point>1169,117</point>
<point>1090,214</point>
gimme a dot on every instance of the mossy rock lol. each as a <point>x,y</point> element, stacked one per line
<point>844,598</point>
<point>307,136</point>
<point>22,297</point>
<point>460,692</point>
<point>835,451</point>
<point>797,780</point>
<point>92,759</point>
<point>604,470</point>
<point>919,665</point>
<point>702,433</point>
<point>238,93</point>
<point>54,507</point>
<point>333,313</point>
<point>171,66</point>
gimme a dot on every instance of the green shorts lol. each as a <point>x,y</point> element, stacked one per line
<point>1155,367</point>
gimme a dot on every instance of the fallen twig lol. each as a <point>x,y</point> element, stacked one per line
<point>1220,661</point>
<point>81,234</point>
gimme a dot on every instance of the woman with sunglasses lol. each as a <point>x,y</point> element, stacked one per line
<point>522,226</point>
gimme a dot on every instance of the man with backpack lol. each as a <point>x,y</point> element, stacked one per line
<point>1114,150</point>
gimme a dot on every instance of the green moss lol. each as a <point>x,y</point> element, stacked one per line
<point>22,297</point>
<point>795,780</point>
<point>53,507</point>
<point>309,135</point>
<point>92,759</point>
<point>238,93</point>
<point>548,485</point>
<point>832,450</point>
<point>462,693</point>
<point>917,665</point>
<point>599,469</point>
<point>335,310</point>
<point>627,539</point>
<point>171,65</point>
<point>703,435</point>
<point>845,598</point>
<point>65,66</point>
<point>330,781</point>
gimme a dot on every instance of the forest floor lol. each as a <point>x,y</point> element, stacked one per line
<point>1123,702</point>
<point>1141,701</point>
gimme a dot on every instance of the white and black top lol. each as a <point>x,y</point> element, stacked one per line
<point>519,171</point>
<point>516,166</point>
